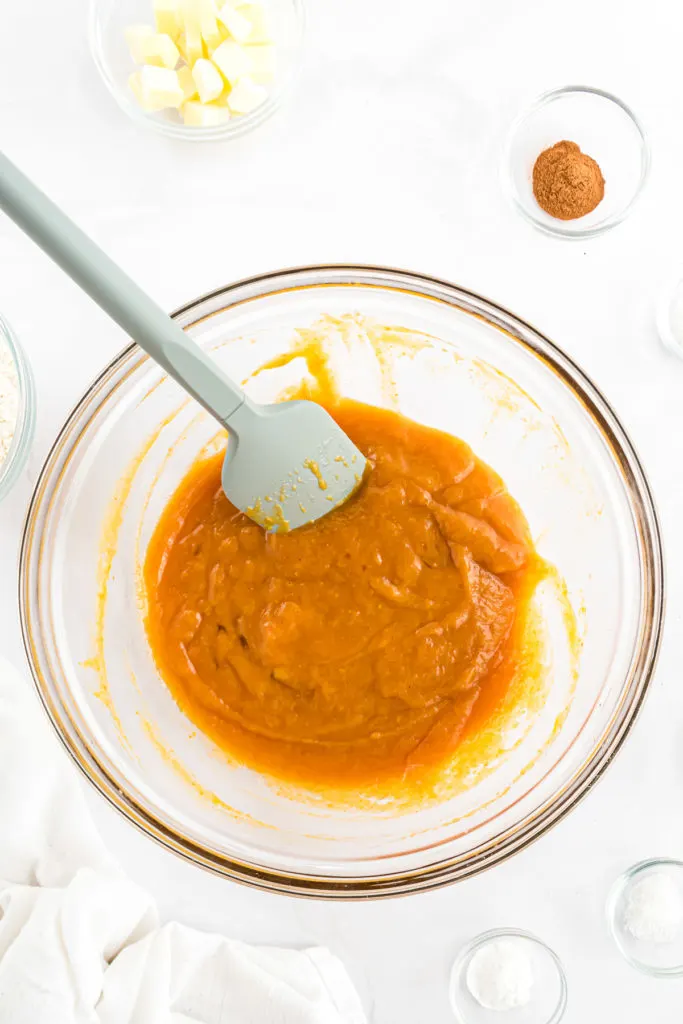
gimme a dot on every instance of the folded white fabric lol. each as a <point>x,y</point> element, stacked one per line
<point>80,943</point>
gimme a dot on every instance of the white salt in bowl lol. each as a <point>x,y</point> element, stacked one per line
<point>659,959</point>
<point>24,424</point>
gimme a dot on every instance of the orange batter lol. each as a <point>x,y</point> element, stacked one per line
<point>358,648</point>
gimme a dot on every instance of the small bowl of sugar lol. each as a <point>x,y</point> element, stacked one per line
<point>645,916</point>
<point>507,970</point>
<point>17,408</point>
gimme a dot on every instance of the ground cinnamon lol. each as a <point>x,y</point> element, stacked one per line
<point>567,183</point>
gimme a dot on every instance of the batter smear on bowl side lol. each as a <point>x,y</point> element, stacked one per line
<point>364,646</point>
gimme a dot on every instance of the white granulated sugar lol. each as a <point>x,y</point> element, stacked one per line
<point>500,976</point>
<point>654,909</point>
<point>9,400</point>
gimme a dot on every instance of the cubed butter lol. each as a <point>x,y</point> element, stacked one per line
<point>260,29</point>
<point>187,82</point>
<point>193,48</point>
<point>239,27</point>
<point>208,80</point>
<point>135,85</point>
<point>208,25</point>
<point>213,47</point>
<point>167,17</point>
<point>160,88</point>
<point>204,115</point>
<point>149,47</point>
<point>263,62</point>
<point>246,95</point>
<point>232,60</point>
<point>136,36</point>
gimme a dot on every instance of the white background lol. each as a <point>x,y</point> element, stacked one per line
<point>388,153</point>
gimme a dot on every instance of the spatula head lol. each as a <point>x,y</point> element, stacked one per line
<point>289,464</point>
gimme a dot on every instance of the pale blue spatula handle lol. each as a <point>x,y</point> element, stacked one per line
<point>116,293</point>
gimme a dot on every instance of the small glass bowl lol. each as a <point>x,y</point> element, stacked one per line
<point>12,465</point>
<point>669,314</point>
<point>659,959</point>
<point>605,129</point>
<point>108,22</point>
<point>548,995</point>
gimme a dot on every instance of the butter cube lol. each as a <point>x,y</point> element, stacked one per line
<point>193,48</point>
<point>239,27</point>
<point>204,115</point>
<point>208,80</point>
<point>160,88</point>
<point>256,14</point>
<point>135,85</point>
<point>232,60</point>
<point>246,96</point>
<point>149,47</point>
<point>167,18</point>
<point>263,62</point>
<point>187,83</point>
<point>136,36</point>
<point>208,25</point>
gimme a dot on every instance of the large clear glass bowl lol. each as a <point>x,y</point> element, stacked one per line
<point>480,373</point>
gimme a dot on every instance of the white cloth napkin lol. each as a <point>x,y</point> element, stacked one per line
<point>81,944</point>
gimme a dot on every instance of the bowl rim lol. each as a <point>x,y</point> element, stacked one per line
<point>12,465</point>
<point>558,230</point>
<point>635,688</point>
<point>466,953</point>
<point>232,129</point>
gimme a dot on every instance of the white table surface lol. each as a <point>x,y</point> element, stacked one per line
<point>387,153</point>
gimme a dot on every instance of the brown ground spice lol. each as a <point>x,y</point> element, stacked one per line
<point>567,183</point>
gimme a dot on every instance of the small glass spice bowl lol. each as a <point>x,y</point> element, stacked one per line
<point>15,460</point>
<point>605,129</point>
<point>658,959</point>
<point>548,999</point>
<point>669,314</point>
<point>108,22</point>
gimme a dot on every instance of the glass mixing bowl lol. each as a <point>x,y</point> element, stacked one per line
<point>478,372</point>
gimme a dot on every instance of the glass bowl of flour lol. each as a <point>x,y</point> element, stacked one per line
<point>17,408</point>
<point>508,973</point>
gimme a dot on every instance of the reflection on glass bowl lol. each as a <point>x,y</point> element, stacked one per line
<point>478,372</point>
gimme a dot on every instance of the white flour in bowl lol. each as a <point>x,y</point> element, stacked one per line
<point>654,909</point>
<point>500,976</point>
<point>9,400</point>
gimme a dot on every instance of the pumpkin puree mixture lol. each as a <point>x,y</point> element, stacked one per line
<point>362,647</point>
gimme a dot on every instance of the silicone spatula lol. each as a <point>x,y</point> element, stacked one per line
<point>286,464</point>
